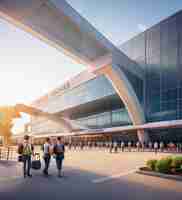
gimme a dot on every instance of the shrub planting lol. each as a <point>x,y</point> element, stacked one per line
<point>164,165</point>
<point>177,162</point>
<point>151,164</point>
<point>170,164</point>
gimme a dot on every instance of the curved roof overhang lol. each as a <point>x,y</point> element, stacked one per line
<point>59,25</point>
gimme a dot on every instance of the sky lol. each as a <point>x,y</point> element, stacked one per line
<point>29,68</point>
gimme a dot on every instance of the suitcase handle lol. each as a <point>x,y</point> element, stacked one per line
<point>36,156</point>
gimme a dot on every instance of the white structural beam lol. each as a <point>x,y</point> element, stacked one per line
<point>58,24</point>
<point>124,89</point>
<point>67,125</point>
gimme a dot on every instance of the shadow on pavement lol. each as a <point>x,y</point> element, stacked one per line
<point>77,184</point>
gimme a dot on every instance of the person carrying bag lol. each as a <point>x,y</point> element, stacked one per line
<point>26,150</point>
<point>36,163</point>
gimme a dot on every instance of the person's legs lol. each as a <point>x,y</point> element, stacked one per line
<point>24,166</point>
<point>29,165</point>
<point>58,164</point>
<point>60,169</point>
<point>47,161</point>
<point>59,161</point>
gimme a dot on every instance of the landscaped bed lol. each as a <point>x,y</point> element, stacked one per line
<point>167,167</point>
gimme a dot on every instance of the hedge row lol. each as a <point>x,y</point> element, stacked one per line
<point>167,165</point>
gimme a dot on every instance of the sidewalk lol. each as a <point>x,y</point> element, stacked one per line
<point>10,170</point>
<point>88,175</point>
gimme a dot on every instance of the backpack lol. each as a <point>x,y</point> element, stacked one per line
<point>20,149</point>
<point>56,149</point>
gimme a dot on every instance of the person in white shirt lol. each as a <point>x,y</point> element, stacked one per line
<point>150,146</point>
<point>110,146</point>
<point>161,146</point>
<point>122,146</point>
<point>156,147</point>
<point>47,155</point>
<point>115,146</point>
<point>107,144</point>
<point>138,146</point>
<point>129,146</point>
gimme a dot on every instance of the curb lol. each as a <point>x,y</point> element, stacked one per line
<point>157,174</point>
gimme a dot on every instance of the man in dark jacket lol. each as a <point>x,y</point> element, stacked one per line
<point>59,151</point>
<point>26,150</point>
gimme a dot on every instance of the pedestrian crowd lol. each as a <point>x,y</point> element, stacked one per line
<point>56,149</point>
<point>115,146</point>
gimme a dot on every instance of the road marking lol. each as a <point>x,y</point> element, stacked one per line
<point>108,178</point>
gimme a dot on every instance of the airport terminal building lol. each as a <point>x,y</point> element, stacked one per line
<point>92,102</point>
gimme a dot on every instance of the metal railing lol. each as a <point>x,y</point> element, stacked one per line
<point>8,153</point>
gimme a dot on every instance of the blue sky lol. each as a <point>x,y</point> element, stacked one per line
<point>120,20</point>
<point>29,68</point>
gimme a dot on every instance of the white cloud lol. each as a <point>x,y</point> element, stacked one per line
<point>142,27</point>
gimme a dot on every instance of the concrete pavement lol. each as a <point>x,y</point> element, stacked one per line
<point>90,175</point>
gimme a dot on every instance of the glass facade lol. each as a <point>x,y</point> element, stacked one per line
<point>89,91</point>
<point>107,119</point>
<point>159,52</point>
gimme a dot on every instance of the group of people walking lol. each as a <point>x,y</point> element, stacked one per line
<point>57,150</point>
<point>50,149</point>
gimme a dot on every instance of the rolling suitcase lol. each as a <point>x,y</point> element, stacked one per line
<point>36,163</point>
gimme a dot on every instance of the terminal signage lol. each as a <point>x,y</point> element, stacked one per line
<point>95,130</point>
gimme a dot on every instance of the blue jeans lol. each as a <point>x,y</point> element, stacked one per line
<point>59,161</point>
<point>47,159</point>
<point>26,164</point>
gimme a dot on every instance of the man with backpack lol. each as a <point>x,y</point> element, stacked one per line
<point>26,150</point>
<point>47,155</point>
<point>59,150</point>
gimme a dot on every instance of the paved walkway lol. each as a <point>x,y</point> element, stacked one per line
<point>89,175</point>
